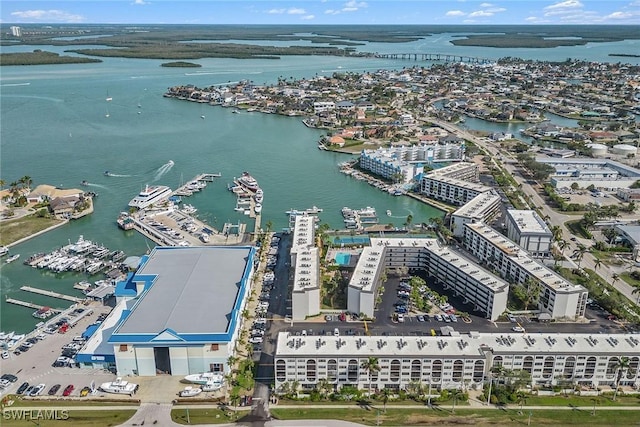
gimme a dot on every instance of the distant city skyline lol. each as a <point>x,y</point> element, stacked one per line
<point>324,12</point>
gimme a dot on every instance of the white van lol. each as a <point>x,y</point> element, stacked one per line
<point>336,332</point>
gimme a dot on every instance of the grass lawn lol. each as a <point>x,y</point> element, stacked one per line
<point>480,417</point>
<point>576,228</point>
<point>582,401</point>
<point>206,416</point>
<point>626,276</point>
<point>61,418</point>
<point>16,229</point>
<point>21,403</point>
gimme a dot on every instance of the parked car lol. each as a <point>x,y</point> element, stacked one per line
<point>68,390</point>
<point>420,318</point>
<point>9,377</point>
<point>54,389</point>
<point>23,387</point>
<point>256,340</point>
<point>439,317</point>
<point>85,391</point>
<point>37,390</point>
<point>5,354</point>
<point>517,329</point>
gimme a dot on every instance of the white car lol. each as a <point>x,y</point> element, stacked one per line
<point>37,390</point>
<point>336,332</point>
<point>517,329</point>
<point>255,340</point>
<point>5,354</point>
<point>401,318</point>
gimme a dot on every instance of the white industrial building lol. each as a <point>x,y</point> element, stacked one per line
<point>456,184</point>
<point>558,297</point>
<point>487,292</point>
<point>179,314</point>
<point>527,229</point>
<point>455,362</point>
<point>601,173</point>
<point>305,298</point>
<point>483,208</point>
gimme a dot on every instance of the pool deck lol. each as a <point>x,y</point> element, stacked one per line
<point>353,252</point>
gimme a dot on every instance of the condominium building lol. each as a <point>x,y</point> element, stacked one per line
<point>305,298</point>
<point>408,160</point>
<point>455,184</point>
<point>527,229</point>
<point>483,208</point>
<point>557,297</point>
<point>487,292</point>
<point>16,31</point>
<point>455,362</point>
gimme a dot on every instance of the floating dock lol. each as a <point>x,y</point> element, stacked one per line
<point>29,304</point>
<point>51,294</point>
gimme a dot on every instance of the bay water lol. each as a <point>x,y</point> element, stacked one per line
<point>55,129</point>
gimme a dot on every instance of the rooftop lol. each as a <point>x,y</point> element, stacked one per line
<point>472,344</point>
<point>193,290</point>
<point>528,221</point>
<point>303,233</point>
<point>478,206</point>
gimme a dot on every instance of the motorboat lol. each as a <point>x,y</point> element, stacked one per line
<point>257,208</point>
<point>388,212</point>
<point>4,250</point>
<point>188,209</point>
<point>258,197</point>
<point>204,237</point>
<point>190,391</point>
<point>119,386</point>
<point>248,182</point>
<point>12,258</point>
<point>107,173</point>
<point>212,386</point>
<point>205,377</point>
<point>84,183</point>
<point>150,195</point>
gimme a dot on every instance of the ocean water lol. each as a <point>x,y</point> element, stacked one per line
<point>55,129</point>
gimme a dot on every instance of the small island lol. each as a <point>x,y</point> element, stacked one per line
<point>41,57</point>
<point>181,64</point>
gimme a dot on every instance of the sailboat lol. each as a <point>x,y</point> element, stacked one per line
<point>107,114</point>
<point>109,98</point>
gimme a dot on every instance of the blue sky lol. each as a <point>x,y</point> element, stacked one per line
<point>518,12</point>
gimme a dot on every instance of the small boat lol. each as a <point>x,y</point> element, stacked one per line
<point>204,237</point>
<point>119,386</point>
<point>4,250</point>
<point>85,183</point>
<point>202,117</point>
<point>205,377</point>
<point>388,212</point>
<point>257,208</point>
<point>107,173</point>
<point>190,391</point>
<point>12,258</point>
<point>212,386</point>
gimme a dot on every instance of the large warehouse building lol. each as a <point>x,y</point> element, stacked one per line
<point>179,314</point>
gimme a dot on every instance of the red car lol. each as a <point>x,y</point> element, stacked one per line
<point>68,390</point>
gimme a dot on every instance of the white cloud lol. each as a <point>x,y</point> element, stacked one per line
<point>350,6</point>
<point>531,19</point>
<point>52,15</point>
<point>480,13</point>
<point>308,17</point>
<point>276,11</point>
<point>455,13</point>
<point>619,15</point>
<point>484,5</point>
<point>140,2</point>
<point>568,4</point>
<point>496,9</point>
<point>296,11</point>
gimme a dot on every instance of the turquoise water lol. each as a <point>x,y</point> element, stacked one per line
<point>54,129</point>
<point>342,258</point>
<point>351,240</point>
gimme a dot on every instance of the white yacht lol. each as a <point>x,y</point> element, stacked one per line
<point>12,258</point>
<point>259,195</point>
<point>212,386</point>
<point>257,208</point>
<point>150,195</point>
<point>248,182</point>
<point>205,377</point>
<point>190,391</point>
<point>4,250</point>
<point>119,386</point>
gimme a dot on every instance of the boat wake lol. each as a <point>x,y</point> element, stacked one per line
<point>90,184</point>
<point>117,175</point>
<point>163,170</point>
<point>15,84</point>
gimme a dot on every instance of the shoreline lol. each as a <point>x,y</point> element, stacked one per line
<point>24,239</point>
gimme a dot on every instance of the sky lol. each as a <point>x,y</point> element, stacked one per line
<point>323,12</point>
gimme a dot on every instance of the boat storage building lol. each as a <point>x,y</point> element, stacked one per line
<point>179,314</point>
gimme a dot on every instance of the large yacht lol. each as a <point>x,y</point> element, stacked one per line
<point>150,195</point>
<point>248,182</point>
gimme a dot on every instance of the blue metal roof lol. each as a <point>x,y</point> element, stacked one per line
<point>91,329</point>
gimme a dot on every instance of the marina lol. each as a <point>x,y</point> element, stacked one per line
<point>50,294</point>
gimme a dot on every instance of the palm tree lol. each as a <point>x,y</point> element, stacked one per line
<point>455,394</point>
<point>556,231</point>
<point>26,181</point>
<point>2,182</point>
<point>636,290</point>
<point>522,398</point>
<point>385,394</point>
<point>579,253</point>
<point>597,263</point>
<point>622,365</point>
<point>615,277</point>
<point>370,365</point>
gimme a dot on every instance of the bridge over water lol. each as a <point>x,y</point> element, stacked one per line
<point>433,57</point>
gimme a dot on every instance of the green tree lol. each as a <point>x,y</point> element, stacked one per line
<point>370,366</point>
<point>385,394</point>
<point>622,365</point>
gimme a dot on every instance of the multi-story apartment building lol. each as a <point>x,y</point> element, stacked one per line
<point>455,362</point>
<point>456,184</point>
<point>487,292</point>
<point>387,165</point>
<point>557,297</point>
<point>482,208</point>
<point>527,229</point>
<point>305,298</point>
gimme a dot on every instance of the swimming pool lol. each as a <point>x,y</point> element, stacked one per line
<point>351,240</point>
<point>342,258</point>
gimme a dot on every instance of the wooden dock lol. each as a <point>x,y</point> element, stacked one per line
<point>205,177</point>
<point>51,294</point>
<point>29,304</point>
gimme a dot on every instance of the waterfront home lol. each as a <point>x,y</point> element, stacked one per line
<point>63,207</point>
